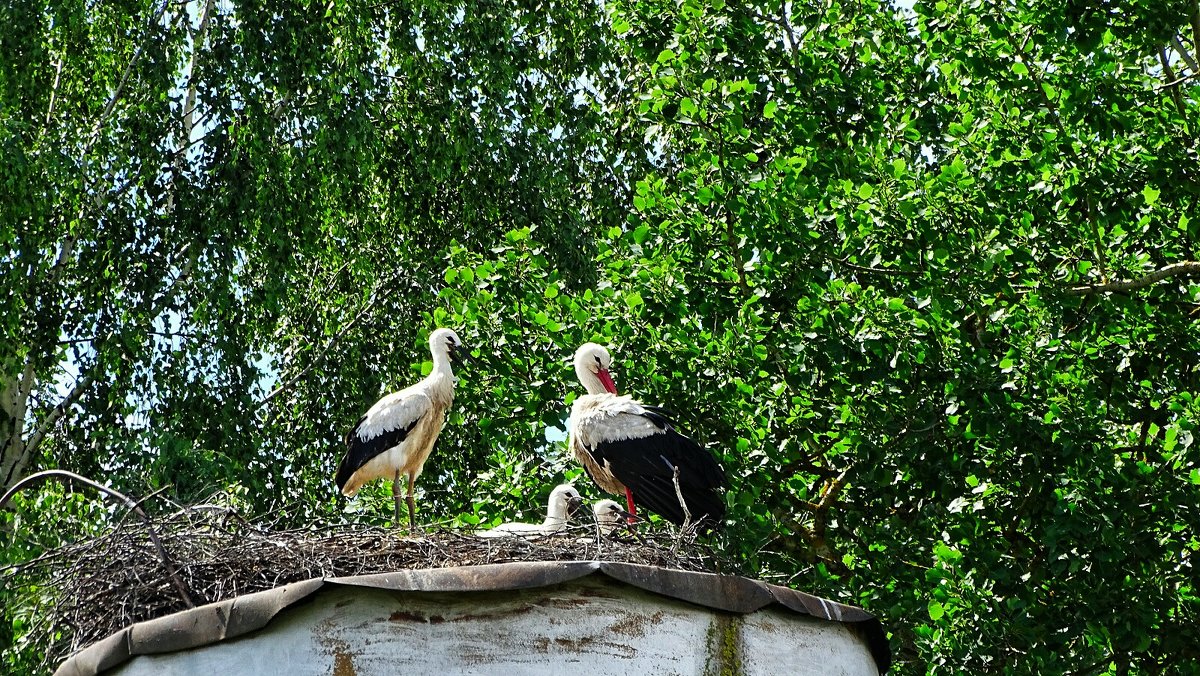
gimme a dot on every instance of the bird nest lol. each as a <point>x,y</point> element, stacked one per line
<point>140,570</point>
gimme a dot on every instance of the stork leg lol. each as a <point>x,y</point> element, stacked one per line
<point>629,501</point>
<point>412,505</point>
<point>396,495</point>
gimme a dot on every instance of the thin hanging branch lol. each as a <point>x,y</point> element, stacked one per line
<point>381,292</point>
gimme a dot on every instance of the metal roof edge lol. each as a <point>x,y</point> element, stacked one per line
<point>240,615</point>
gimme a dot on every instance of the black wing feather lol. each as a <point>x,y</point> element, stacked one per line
<point>359,452</point>
<point>646,467</point>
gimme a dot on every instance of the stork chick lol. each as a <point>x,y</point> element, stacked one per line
<point>396,435</point>
<point>564,500</point>
<point>608,515</point>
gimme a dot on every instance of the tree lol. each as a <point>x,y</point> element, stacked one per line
<point>925,281</point>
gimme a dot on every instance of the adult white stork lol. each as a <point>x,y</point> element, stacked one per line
<point>395,436</point>
<point>564,500</point>
<point>627,447</point>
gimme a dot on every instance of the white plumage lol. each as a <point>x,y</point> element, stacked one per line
<point>564,500</point>
<point>591,367</point>
<point>396,435</point>
<point>632,449</point>
<point>608,515</point>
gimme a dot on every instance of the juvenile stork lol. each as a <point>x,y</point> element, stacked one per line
<point>395,436</point>
<point>632,449</point>
<point>564,500</point>
<point>608,515</point>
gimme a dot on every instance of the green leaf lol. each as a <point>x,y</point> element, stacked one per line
<point>1170,434</point>
<point>1019,68</point>
<point>769,109</point>
<point>1150,194</point>
<point>936,611</point>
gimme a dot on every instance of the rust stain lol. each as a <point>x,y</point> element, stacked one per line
<point>559,602</point>
<point>406,616</point>
<point>597,593</point>
<point>411,616</point>
<point>767,626</point>
<point>634,626</point>
<point>590,644</point>
<point>343,663</point>
<point>343,656</point>
<point>522,610</point>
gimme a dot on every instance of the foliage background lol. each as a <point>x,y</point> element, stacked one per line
<point>924,278</point>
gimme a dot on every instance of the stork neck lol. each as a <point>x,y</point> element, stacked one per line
<point>441,363</point>
<point>440,381</point>
<point>590,381</point>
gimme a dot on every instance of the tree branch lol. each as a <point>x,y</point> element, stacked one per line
<point>1184,53</point>
<point>1056,116</point>
<point>42,477</point>
<point>876,271</point>
<point>54,91</point>
<point>1195,21</point>
<point>51,419</point>
<point>1175,83</point>
<point>189,103</point>
<point>1173,91</point>
<point>116,93</point>
<point>362,312</point>
<point>1183,269</point>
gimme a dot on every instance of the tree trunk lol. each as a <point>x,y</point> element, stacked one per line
<point>13,457</point>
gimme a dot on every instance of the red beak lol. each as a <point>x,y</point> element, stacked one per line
<point>607,381</point>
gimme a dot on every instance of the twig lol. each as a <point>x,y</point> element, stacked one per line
<point>1176,82</point>
<point>687,515</point>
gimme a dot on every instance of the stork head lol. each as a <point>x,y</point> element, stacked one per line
<point>446,343</point>
<point>592,362</point>
<point>608,515</point>
<point>564,500</point>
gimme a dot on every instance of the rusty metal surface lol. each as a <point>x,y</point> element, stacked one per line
<point>235,617</point>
